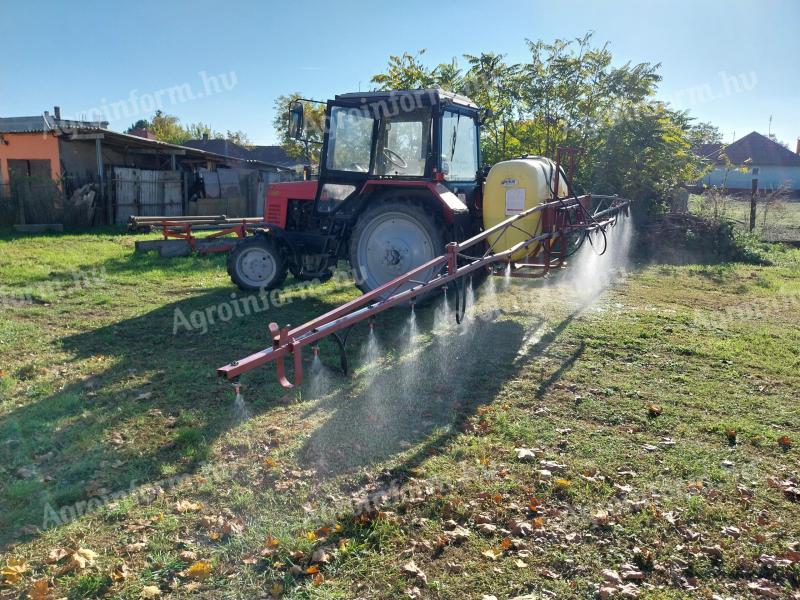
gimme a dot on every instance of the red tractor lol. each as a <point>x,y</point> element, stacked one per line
<point>398,179</point>
<point>401,196</point>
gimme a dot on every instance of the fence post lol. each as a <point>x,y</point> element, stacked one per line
<point>753,192</point>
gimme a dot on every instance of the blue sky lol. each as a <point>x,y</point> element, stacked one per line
<point>733,63</point>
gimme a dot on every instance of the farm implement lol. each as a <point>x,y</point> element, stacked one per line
<point>401,196</point>
<point>180,234</point>
<point>563,225</point>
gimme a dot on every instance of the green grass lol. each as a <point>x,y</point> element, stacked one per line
<point>100,400</point>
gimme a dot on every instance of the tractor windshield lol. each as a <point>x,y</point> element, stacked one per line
<point>402,145</point>
<point>350,140</point>
<point>459,147</point>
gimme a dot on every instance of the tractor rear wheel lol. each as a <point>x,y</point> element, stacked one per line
<point>256,263</point>
<point>392,237</point>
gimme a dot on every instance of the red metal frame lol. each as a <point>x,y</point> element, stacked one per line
<point>183,231</point>
<point>555,224</point>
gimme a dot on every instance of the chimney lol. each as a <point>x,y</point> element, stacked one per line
<point>57,112</point>
<point>205,139</point>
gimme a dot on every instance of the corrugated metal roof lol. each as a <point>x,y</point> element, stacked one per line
<point>40,123</point>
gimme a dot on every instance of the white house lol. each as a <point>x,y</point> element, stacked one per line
<point>753,157</point>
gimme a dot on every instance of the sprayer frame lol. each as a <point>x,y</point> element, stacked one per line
<point>548,250</point>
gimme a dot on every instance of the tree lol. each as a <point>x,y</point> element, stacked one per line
<point>167,128</point>
<point>313,131</point>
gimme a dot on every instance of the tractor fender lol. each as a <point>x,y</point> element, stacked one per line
<point>450,204</point>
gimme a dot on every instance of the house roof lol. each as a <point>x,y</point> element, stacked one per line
<point>45,122</point>
<point>73,130</point>
<point>759,149</point>
<point>274,155</point>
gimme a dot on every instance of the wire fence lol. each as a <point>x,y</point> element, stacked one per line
<point>777,215</point>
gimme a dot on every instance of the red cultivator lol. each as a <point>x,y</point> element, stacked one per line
<point>563,225</point>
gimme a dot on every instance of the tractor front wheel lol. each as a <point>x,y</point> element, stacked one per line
<point>256,263</point>
<point>392,237</point>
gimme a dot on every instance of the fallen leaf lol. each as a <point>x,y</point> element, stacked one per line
<point>135,547</point>
<point>486,528</point>
<point>731,435</point>
<point>631,573</point>
<point>731,531</point>
<point>40,590</point>
<point>320,555</point>
<point>79,560</point>
<point>491,554</point>
<point>611,576</point>
<point>784,442</point>
<point>12,573</point>
<point>187,556</point>
<point>654,410</point>
<point>186,506</point>
<point>525,454</point>
<point>562,484</point>
<point>276,589</point>
<point>150,591</point>
<point>454,567</point>
<point>200,570</point>
<point>120,573</point>
<point>312,570</point>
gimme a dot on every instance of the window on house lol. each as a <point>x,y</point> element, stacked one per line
<point>28,168</point>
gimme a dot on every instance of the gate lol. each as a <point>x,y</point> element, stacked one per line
<point>139,192</point>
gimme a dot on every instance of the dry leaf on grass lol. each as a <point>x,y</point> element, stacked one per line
<point>525,454</point>
<point>55,555</point>
<point>150,591</point>
<point>81,559</point>
<point>40,590</point>
<point>13,571</point>
<point>654,410</point>
<point>199,570</point>
<point>186,506</point>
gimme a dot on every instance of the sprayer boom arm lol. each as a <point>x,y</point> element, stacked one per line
<point>559,218</point>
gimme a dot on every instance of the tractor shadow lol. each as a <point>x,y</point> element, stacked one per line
<point>424,393</point>
<point>152,408</point>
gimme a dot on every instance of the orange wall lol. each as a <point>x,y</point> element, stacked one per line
<point>29,146</point>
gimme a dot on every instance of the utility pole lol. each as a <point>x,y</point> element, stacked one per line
<point>753,192</point>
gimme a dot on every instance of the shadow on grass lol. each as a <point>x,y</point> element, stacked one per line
<point>151,410</point>
<point>107,434</point>
<point>423,392</point>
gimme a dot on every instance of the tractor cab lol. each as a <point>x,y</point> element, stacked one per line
<point>415,135</point>
<point>398,180</point>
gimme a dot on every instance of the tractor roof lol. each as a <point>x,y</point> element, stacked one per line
<point>427,97</point>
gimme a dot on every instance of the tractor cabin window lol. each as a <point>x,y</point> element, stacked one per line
<point>350,140</point>
<point>459,147</point>
<point>404,143</point>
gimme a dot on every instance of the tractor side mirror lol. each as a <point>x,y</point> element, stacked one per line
<point>296,119</point>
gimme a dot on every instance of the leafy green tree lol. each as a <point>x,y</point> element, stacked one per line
<point>314,128</point>
<point>167,128</point>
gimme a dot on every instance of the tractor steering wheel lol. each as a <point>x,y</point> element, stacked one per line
<point>394,158</point>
